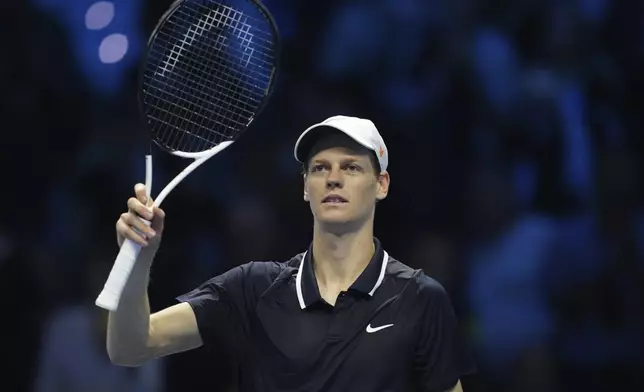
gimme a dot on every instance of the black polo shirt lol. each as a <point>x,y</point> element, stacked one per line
<point>393,330</point>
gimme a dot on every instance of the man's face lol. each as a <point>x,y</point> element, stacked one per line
<point>341,184</point>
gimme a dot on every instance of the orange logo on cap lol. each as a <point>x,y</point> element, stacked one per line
<point>382,151</point>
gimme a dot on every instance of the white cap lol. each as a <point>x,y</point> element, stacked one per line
<point>363,131</point>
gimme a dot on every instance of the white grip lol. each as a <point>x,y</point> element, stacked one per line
<point>109,298</point>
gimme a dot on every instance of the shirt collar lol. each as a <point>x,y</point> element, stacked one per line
<point>369,280</point>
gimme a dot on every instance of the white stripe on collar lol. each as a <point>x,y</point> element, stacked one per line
<point>298,278</point>
<point>383,269</point>
<point>298,283</point>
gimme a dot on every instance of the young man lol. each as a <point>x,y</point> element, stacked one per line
<point>342,316</point>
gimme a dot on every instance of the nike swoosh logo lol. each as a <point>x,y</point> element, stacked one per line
<point>371,329</point>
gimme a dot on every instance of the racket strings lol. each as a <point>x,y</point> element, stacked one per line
<point>235,20</point>
<point>201,61</point>
<point>218,78</point>
<point>198,54</point>
<point>208,71</point>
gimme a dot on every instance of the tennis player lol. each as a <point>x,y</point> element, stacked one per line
<point>341,316</point>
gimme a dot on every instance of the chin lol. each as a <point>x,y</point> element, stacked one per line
<point>338,221</point>
<point>334,217</point>
<point>325,215</point>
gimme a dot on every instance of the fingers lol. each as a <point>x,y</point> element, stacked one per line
<point>138,224</point>
<point>125,231</point>
<point>138,208</point>
<point>141,222</point>
<point>131,226</point>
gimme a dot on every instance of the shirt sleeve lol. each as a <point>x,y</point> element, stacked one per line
<point>441,355</point>
<point>221,306</point>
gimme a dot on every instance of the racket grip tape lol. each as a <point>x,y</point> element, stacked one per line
<point>110,296</point>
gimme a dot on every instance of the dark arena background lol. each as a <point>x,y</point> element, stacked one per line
<point>515,131</point>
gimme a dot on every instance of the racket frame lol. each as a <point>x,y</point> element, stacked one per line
<point>267,92</point>
<point>110,296</point>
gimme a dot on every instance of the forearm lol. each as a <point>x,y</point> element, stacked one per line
<point>128,328</point>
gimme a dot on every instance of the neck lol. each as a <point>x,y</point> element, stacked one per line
<point>340,258</point>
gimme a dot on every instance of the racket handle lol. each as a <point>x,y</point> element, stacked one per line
<point>109,298</point>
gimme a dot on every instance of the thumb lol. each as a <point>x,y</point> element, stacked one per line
<point>141,194</point>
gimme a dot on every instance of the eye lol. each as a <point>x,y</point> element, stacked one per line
<point>353,168</point>
<point>317,168</point>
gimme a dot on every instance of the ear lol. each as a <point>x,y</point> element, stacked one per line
<point>383,185</point>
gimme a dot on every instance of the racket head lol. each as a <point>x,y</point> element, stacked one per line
<point>208,72</point>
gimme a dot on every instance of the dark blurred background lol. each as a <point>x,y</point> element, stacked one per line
<point>515,135</point>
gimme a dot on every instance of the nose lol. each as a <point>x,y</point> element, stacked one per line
<point>334,179</point>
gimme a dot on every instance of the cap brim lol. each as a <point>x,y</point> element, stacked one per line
<point>311,135</point>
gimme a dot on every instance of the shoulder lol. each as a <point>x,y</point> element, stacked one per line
<point>271,270</point>
<point>425,288</point>
<point>259,275</point>
<point>261,269</point>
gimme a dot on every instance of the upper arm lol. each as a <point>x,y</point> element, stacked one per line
<point>223,306</point>
<point>441,356</point>
<point>173,330</point>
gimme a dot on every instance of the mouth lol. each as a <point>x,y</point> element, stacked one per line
<point>334,199</point>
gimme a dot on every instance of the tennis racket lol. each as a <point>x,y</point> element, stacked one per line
<point>208,72</point>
